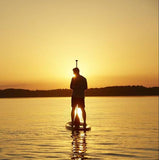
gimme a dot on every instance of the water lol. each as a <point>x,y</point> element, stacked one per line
<point>122,128</point>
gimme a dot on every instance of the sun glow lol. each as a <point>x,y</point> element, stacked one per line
<point>78,111</point>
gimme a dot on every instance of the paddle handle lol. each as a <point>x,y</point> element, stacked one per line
<point>76,63</point>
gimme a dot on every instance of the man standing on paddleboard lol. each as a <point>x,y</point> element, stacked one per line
<point>78,85</point>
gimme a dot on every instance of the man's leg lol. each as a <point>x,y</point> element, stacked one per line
<point>83,115</point>
<point>82,104</point>
<point>73,104</point>
<point>72,114</point>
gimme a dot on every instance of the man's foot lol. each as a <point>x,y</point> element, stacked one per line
<point>84,125</point>
<point>72,124</point>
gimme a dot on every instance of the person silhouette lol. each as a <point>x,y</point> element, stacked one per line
<point>78,85</point>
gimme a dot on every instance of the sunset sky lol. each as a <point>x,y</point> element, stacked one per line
<point>115,41</point>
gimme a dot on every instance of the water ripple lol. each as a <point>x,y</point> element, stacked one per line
<point>119,155</point>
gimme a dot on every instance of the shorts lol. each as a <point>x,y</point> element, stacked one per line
<point>78,101</point>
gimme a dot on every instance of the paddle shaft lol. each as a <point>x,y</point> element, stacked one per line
<point>76,63</point>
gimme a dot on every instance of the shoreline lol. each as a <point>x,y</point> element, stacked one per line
<point>91,92</point>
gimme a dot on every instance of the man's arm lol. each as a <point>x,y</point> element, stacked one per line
<point>72,84</point>
<point>85,84</point>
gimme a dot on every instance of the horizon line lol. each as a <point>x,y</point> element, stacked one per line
<point>87,89</point>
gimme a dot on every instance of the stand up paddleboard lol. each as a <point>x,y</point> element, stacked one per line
<point>79,128</point>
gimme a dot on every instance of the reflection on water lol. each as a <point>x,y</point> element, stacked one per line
<point>79,145</point>
<point>123,128</point>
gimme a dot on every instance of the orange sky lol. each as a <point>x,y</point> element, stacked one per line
<point>115,41</point>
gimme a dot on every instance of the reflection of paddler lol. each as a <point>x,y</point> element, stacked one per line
<point>79,145</point>
<point>78,85</point>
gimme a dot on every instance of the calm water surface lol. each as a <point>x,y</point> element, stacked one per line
<point>122,128</point>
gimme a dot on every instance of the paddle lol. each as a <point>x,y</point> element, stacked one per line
<point>76,63</point>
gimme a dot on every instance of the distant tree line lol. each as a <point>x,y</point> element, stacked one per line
<point>106,91</point>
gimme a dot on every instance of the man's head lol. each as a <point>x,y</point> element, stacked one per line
<point>76,71</point>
